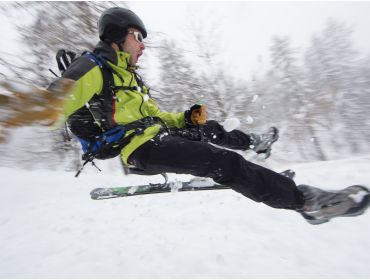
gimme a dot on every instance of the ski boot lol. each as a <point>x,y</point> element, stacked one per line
<point>262,143</point>
<point>320,206</point>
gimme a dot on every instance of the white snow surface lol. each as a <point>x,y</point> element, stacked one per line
<point>50,228</point>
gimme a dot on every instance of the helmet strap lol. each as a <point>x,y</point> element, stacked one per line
<point>120,43</point>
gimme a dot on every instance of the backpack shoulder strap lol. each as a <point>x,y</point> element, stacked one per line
<point>107,71</point>
<point>101,105</point>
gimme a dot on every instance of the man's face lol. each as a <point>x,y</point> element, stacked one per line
<point>133,46</point>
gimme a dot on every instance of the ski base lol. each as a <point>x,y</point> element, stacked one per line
<point>196,184</point>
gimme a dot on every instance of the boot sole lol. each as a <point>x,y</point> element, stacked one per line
<point>267,152</point>
<point>355,211</point>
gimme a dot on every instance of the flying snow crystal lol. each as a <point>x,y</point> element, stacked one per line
<point>133,189</point>
<point>201,182</point>
<point>220,258</point>
<point>255,97</point>
<point>231,124</point>
<point>249,120</point>
<point>162,135</point>
<point>176,186</point>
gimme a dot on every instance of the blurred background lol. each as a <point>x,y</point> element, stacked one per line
<point>300,66</point>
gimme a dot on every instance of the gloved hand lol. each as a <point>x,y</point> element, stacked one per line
<point>196,115</point>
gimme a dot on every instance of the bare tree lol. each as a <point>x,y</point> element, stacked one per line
<point>56,25</point>
<point>294,106</point>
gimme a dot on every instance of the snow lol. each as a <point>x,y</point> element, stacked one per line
<point>254,99</point>
<point>231,124</point>
<point>249,120</point>
<point>50,228</point>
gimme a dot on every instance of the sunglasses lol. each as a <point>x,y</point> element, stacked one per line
<point>138,36</point>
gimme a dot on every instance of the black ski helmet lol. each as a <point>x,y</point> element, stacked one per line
<point>114,22</point>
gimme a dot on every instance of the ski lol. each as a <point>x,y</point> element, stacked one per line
<point>106,193</point>
<point>196,184</point>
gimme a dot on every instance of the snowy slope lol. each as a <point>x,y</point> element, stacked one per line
<point>49,228</point>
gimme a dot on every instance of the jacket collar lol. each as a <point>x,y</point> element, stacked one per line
<point>117,58</point>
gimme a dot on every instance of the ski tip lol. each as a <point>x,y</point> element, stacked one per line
<point>95,193</point>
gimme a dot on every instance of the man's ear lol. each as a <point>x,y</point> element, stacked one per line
<point>120,46</point>
<point>115,46</point>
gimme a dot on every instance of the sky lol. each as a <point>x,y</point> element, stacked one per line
<point>241,31</point>
<point>245,28</point>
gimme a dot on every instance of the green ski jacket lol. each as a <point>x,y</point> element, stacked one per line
<point>129,105</point>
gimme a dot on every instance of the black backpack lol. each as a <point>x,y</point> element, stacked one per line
<point>99,136</point>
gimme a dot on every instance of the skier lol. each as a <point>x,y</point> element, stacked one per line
<point>149,144</point>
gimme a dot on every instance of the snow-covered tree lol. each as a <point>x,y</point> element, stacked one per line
<point>331,62</point>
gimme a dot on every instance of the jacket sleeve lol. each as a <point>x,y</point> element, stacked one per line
<point>171,119</point>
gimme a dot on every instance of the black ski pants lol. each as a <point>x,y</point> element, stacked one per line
<point>215,133</point>
<point>172,154</point>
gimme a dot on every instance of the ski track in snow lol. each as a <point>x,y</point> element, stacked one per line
<point>50,228</point>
